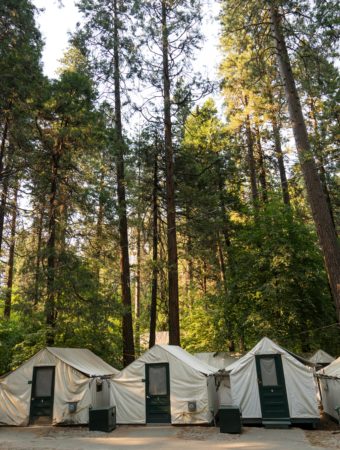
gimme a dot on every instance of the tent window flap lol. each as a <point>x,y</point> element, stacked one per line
<point>157,380</point>
<point>268,372</point>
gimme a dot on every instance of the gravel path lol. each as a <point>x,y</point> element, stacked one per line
<point>163,437</point>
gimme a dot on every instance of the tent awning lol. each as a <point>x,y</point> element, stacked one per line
<point>84,361</point>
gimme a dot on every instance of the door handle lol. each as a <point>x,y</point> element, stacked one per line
<point>148,396</point>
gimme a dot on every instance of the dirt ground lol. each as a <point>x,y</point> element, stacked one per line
<point>327,434</point>
<point>167,437</point>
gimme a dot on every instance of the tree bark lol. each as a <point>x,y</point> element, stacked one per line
<point>317,200</point>
<point>174,330</point>
<point>223,209</point>
<point>223,270</point>
<point>190,264</point>
<point>127,327</point>
<point>223,267</point>
<point>3,204</point>
<point>262,169</point>
<point>251,160</point>
<point>99,230</point>
<point>3,147</point>
<point>50,306</point>
<point>8,298</point>
<point>138,289</point>
<point>154,282</point>
<point>320,161</point>
<point>5,178</point>
<point>38,256</point>
<point>280,161</point>
<point>204,277</point>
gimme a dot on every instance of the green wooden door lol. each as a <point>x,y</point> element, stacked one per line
<point>42,393</point>
<point>157,391</point>
<point>272,387</point>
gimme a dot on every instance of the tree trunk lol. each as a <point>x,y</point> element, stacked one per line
<point>154,282</point>
<point>320,161</point>
<point>174,330</point>
<point>127,327</point>
<point>3,208</point>
<point>8,299</point>
<point>50,306</point>
<point>262,169</point>
<point>99,231</point>
<point>3,147</point>
<point>320,210</point>
<point>226,234</point>
<point>204,277</point>
<point>251,160</point>
<point>162,272</point>
<point>4,177</point>
<point>38,256</point>
<point>138,289</point>
<point>280,161</point>
<point>223,270</point>
<point>190,264</point>
<point>223,209</point>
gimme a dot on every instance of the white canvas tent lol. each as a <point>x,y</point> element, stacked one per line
<point>269,384</point>
<point>52,383</point>
<point>140,393</point>
<point>329,383</point>
<point>220,360</point>
<point>321,358</point>
<point>161,338</point>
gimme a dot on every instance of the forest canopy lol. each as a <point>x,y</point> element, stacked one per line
<point>136,195</point>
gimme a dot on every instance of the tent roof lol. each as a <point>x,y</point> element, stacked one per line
<point>189,359</point>
<point>263,347</point>
<point>216,359</point>
<point>161,338</point>
<point>332,370</point>
<point>84,361</point>
<point>321,357</point>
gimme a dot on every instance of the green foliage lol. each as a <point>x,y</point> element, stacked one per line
<point>245,270</point>
<point>10,334</point>
<point>278,289</point>
<point>280,282</point>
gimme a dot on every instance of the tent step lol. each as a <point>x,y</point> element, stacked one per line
<point>277,423</point>
<point>42,420</point>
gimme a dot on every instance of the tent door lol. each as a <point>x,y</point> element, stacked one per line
<point>42,394</point>
<point>272,387</point>
<point>157,391</point>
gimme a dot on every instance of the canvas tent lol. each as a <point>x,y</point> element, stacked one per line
<point>161,338</point>
<point>329,383</point>
<point>165,385</point>
<point>216,359</point>
<point>271,386</point>
<point>321,358</point>
<point>58,384</point>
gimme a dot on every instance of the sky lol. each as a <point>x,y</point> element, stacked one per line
<point>55,22</point>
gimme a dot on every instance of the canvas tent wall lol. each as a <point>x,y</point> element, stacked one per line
<point>321,358</point>
<point>220,360</point>
<point>191,390</point>
<point>329,383</point>
<point>268,383</point>
<point>70,376</point>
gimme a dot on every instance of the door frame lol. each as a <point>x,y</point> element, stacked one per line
<point>167,367</point>
<point>280,378</point>
<point>34,377</point>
